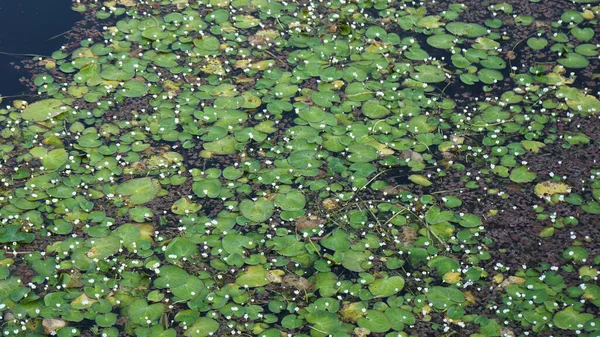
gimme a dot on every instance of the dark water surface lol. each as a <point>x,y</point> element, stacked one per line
<point>29,27</point>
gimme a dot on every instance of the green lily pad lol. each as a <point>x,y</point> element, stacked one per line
<point>374,109</point>
<point>489,76</point>
<point>583,104</point>
<point>587,49</point>
<point>537,43</point>
<point>435,215</point>
<point>375,321</point>
<point>483,43</point>
<point>522,174</point>
<point>428,74</point>
<point>210,188</point>
<point>55,159</point>
<point>257,211</point>
<point>312,114</point>
<point>430,22</point>
<point>356,91</point>
<point>362,153</point>
<point>444,297</point>
<point>420,124</point>
<point>187,290</point>
<point>254,276</point>
<point>569,319</point>
<point>353,260</point>
<point>385,287</point>
<point>134,89</point>
<point>43,110</point>
<point>304,159</point>
<point>290,201</point>
<point>583,34</point>
<point>140,190</point>
<point>466,29</point>
<point>225,145</point>
<point>180,248</point>
<point>140,312</point>
<point>202,327</point>
<point>442,41</point>
<point>338,241</point>
<point>574,61</point>
<point>170,276</point>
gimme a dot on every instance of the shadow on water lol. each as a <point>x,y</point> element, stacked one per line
<point>29,27</point>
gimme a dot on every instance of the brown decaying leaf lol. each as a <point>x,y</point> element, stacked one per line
<point>296,282</point>
<point>308,222</point>
<point>52,324</point>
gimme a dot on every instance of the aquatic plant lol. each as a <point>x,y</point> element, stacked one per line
<point>312,169</point>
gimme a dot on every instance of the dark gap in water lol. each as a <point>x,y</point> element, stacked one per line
<point>29,27</point>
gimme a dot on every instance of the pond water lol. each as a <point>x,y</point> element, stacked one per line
<point>29,27</point>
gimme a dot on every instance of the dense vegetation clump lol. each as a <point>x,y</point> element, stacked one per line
<point>333,168</point>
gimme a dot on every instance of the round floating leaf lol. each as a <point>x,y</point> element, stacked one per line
<point>577,254</point>
<point>583,104</point>
<point>435,215</point>
<point>373,109</point>
<point>55,159</point>
<point>304,159</point>
<point>140,312</point>
<point>202,327</point>
<point>420,124</point>
<point>430,22</point>
<point>170,276</point>
<point>134,89</point>
<point>104,247</point>
<point>165,60</point>
<point>583,34</point>
<point>189,289</point>
<point>587,49</point>
<point>312,114</point>
<point>537,43</point>
<point>384,287</point>
<point>522,175</point>
<point>493,62</point>
<point>357,91</point>
<point>292,201</point>
<point>443,264</point>
<point>225,145</point>
<point>113,73</point>
<point>338,241</point>
<point>489,76</point>
<point>43,110</point>
<point>441,41</point>
<point>257,211</point>
<point>154,33</point>
<point>428,74</point>
<point>569,319</point>
<point>495,114</point>
<point>254,276</point>
<point>210,188</point>
<point>353,260</point>
<point>140,190</point>
<point>574,60</point>
<point>466,29</point>
<point>185,206</point>
<point>470,221</point>
<point>483,43</point>
<point>376,321</point>
<point>362,153</point>
<point>444,297</point>
<point>179,248</point>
